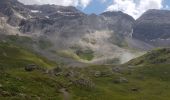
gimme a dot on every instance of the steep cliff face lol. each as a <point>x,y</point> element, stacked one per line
<point>153,27</point>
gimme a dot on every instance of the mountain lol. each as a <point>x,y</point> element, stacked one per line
<point>153,27</point>
<point>69,35</point>
<point>73,34</point>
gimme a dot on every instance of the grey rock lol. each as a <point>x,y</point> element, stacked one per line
<point>1,85</point>
<point>153,27</point>
<point>117,69</point>
<point>120,80</point>
<point>135,89</point>
<point>97,74</point>
<point>31,67</point>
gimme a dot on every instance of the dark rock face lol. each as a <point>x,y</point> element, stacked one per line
<point>153,27</point>
<point>14,10</point>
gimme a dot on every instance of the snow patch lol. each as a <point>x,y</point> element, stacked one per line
<point>35,11</point>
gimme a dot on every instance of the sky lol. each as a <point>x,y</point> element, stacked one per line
<point>132,7</point>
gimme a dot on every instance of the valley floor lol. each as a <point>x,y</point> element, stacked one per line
<point>25,75</point>
<point>91,83</point>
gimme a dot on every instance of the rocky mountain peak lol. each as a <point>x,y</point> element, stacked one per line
<point>118,14</point>
<point>155,16</point>
<point>153,27</point>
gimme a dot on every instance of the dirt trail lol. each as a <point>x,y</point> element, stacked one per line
<point>66,95</point>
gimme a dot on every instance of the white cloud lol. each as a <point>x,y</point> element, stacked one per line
<point>134,8</point>
<point>79,3</point>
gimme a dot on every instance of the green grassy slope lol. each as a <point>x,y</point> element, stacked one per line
<point>158,56</point>
<point>149,81</point>
<point>14,56</point>
<point>18,84</point>
<point>142,83</point>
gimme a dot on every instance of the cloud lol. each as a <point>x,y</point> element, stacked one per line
<point>134,8</point>
<point>76,3</point>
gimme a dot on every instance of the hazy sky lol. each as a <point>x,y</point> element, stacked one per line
<point>132,7</point>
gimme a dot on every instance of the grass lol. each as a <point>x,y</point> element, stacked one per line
<point>158,56</point>
<point>11,55</point>
<point>16,83</point>
<point>27,42</point>
<point>86,54</point>
<point>83,56</point>
<point>152,85</point>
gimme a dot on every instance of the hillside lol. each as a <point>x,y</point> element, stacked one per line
<point>49,81</point>
<point>158,56</point>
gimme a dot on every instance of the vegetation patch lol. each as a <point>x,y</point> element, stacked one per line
<point>85,54</point>
<point>158,56</point>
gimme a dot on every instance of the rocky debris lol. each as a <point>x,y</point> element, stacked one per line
<point>31,67</point>
<point>120,80</point>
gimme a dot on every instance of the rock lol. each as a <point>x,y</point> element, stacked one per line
<point>70,74</point>
<point>31,67</point>
<point>5,93</point>
<point>18,78</point>
<point>120,80</point>
<point>135,89</point>
<point>116,69</point>
<point>97,74</point>
<point>1,86</point>
<point>56,71</point>
<point>22,95</point>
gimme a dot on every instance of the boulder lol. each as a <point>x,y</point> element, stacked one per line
<point>97,74</point>
<point>56,71</point>
<point>121,80</point>
<point>31,67</point>
<point>1,86</point>
<point>116,69</point>
<point>134,89</point>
